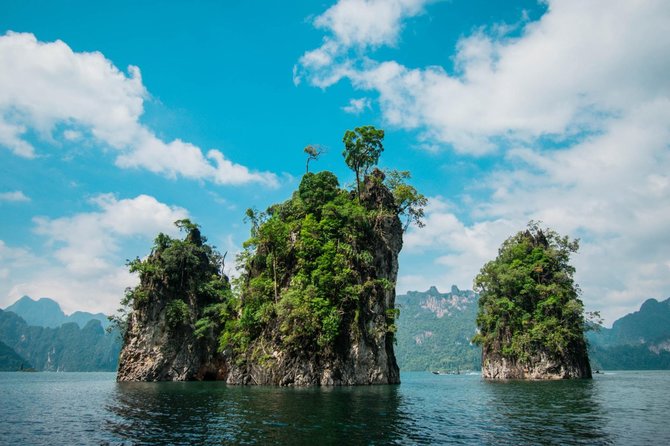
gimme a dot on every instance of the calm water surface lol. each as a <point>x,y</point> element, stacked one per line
<point>91,408</point>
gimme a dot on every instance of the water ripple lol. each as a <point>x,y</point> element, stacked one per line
<point>623,408</point>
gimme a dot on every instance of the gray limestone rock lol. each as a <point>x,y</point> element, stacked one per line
<point>539,367</point>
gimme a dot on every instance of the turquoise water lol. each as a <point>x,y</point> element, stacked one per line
<point>91,408</point>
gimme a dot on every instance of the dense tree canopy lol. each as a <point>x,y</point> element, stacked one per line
<point>304,265</point>
<point>528,299</point>
<point>305,272</point>
<point>308,266</point>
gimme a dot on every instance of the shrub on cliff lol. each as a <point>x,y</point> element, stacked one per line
<point>186,274</point>
<point>529,303</point>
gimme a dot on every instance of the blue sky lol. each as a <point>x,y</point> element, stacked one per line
<point>118,118</point>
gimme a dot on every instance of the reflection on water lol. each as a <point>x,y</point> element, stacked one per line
<point>624,408</point>
<point>555,412</point>
<point>213,413</point>
<point>425,409</point>
<point>429,410</point>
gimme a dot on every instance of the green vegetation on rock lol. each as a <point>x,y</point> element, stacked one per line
<point>317,273</point>
<point>306,269</point>
<point>637,341</point>
<point>362,149</point>
<point>186,275</point>
<point>435,329</point>
<point>66,348</point>
<point>529,305</point>
<point>172,319</point>
<point>309,266</point>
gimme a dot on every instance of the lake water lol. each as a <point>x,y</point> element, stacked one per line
<point>91,408</point>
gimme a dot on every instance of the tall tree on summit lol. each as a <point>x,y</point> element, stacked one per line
<point>362,148</point>
<point>313,153</point>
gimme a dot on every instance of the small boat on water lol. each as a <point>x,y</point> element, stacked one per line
<point>437,372</point>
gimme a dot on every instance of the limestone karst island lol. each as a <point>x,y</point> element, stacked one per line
<point>314,303</point>
<point>355,222</point>
<point>531,320</point>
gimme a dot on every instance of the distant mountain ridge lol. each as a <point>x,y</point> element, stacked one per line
<point>46,312</point>
<point>434,330</point>
<point>649,324</point>
<point>67,348</point>
<point>639,340</point>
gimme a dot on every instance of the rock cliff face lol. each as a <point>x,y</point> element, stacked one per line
<point>154,350</point>
<point>160,342</point>
<point>539,367</point>
<point>250,342</point>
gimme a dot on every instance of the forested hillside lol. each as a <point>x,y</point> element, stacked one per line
<point>67,348</point>
<point>639,340</point>
<point>435,330</point>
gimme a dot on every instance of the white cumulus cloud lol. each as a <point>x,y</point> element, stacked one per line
<point>612,190</point>
<point>81,267</point>
<point>14,196</point>
<point>578,65</point>
<point>357,106</point>
<point>353,24</point>
<point>85,243</point>
<point>365,23</point>
<point>45,84</point>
